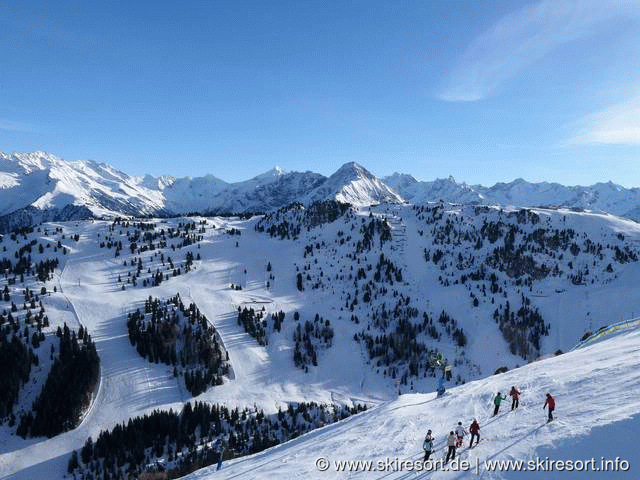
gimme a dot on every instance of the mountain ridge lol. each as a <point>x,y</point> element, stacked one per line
<point>601,197</point>
<point>47,183</point>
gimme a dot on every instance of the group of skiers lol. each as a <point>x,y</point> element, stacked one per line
<point>455,438</point>
<point>515,400</point>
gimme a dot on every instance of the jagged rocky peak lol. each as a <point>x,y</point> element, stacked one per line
<point>277,171</point>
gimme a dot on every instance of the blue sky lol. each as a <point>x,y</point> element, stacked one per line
<point>483,91</point>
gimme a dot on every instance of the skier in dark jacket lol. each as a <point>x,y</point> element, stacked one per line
<point>474,430</point>
<point>551,403</point>
<point>515,397</point>
<point>218,448</point>
<point>427,446</point>
<point>497,401</point>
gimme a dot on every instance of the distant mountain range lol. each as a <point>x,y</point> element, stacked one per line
<point>39,186</point>
<point>601,197</point>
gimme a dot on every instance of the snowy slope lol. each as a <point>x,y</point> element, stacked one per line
<point>451,262</point>
<point>90,293</point>
<point>130,385</point>
<point>45,181</point>
<point>596,416</point>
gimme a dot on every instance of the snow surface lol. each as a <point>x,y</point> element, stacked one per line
<point>597,415</point>
<point>594,386</point>
<point>131,386</point>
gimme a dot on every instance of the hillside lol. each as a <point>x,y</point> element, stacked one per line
<point>596,415</point>
<point>326,303</point>
<point>458,280</point>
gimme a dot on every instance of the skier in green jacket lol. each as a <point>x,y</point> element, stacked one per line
<point>496,401</point>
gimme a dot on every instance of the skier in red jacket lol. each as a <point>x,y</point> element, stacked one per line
<point>551,403</point>
<point>474,429</point>
<point>515,397</point>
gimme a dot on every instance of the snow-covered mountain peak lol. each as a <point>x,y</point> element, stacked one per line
<point>354,184</point>
<point>404,177</point>
<point>352,171</point>
<point>28,162</point>
<point>610,186</point>
<point>269,176</point>
<point>155,183</point>
<point>38,182</point>
<point>601,197</point>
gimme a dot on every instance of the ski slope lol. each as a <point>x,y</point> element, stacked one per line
<point>130,385</point>
<point>264,376</point>
<point>597,415</point>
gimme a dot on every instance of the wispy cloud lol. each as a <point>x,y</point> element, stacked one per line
<point>618,124</point>
<point>523,37</point>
